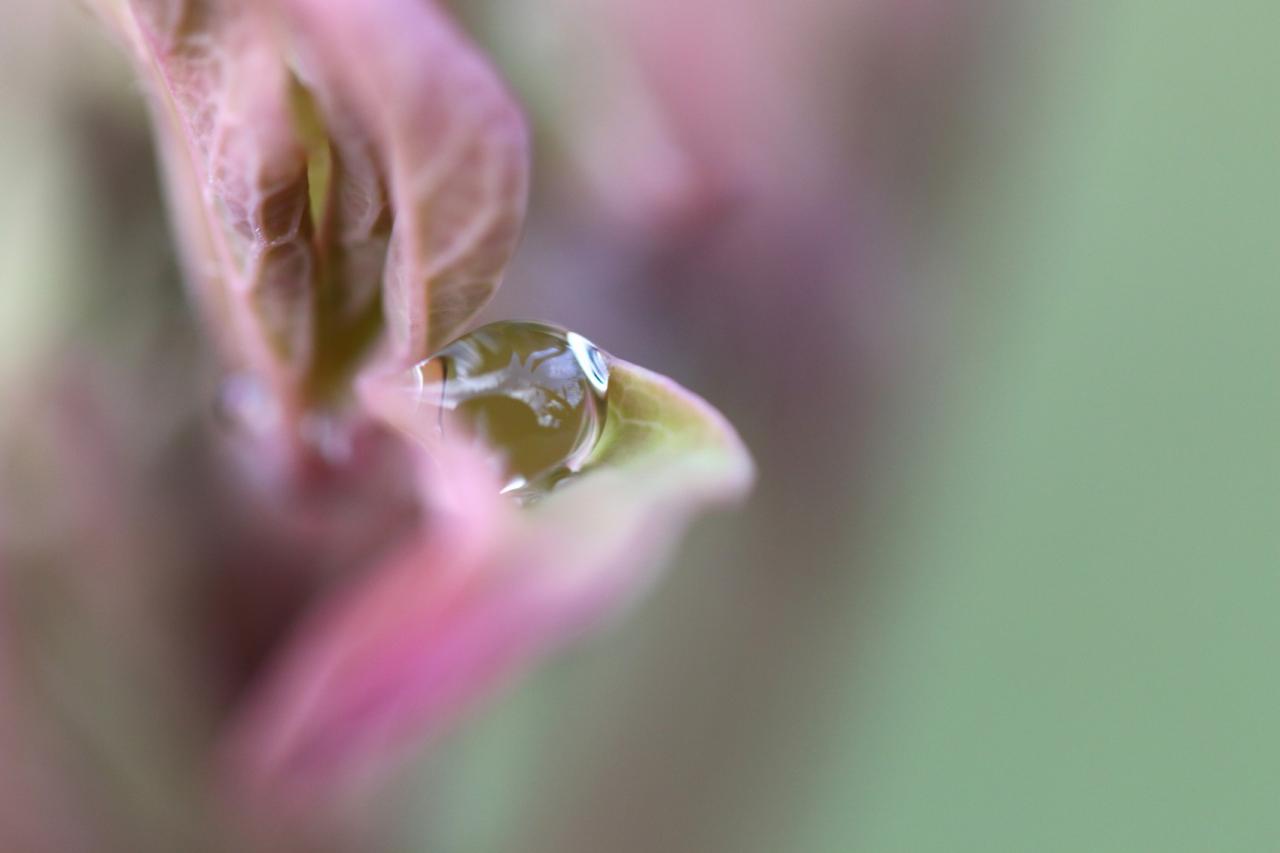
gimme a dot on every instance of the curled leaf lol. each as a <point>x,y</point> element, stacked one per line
<point>313,146</point>
<point>236,173</point>
<point>487,588</point>
<point>402,90</point>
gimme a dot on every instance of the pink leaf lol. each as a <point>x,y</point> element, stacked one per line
<point>236,174</point>
<point>487,589</point>
<point>401,87</point>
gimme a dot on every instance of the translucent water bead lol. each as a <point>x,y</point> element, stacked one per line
<point>533,392</point>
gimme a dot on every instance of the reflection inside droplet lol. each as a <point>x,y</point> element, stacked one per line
<point>533,392</point>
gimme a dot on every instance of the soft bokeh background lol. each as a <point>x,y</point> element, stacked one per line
<point>991,291</point>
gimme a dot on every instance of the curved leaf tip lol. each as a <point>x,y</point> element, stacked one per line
<point>489,589</point>
<point>655,421</point>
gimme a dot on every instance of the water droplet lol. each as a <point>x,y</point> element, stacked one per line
<point>533,392</point>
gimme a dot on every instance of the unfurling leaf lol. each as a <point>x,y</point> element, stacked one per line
<point>236,173</point>
<point>330,158</point>
<point>486,588</point>
<point>418,156</point>
<point>400,87</point>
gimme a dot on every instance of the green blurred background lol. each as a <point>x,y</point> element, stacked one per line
<point>1040,614</point>
<point>1069,641</point>
<point>1076,648</point>
<point>1067,636</point>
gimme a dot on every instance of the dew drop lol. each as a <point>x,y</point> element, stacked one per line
<point>533,392</point>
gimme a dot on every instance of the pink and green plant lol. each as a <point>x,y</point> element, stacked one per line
<point>347,181</point>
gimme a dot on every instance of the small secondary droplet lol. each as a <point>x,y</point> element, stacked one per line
<point>533,392</point>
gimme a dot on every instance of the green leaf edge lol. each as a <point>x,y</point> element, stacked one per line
<point>656,429</point>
